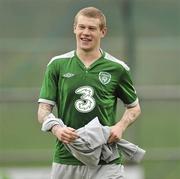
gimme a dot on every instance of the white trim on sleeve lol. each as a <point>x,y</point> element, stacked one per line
<point>46,101</point>
<point>112,58</point>
<point>133,104</point>
<point>66,55</point>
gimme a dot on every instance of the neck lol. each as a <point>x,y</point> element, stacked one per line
<point>88,57</point>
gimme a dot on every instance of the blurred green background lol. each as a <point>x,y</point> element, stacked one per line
<point>143,33</point>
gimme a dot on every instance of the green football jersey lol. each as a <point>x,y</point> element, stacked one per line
<point>81,93</point>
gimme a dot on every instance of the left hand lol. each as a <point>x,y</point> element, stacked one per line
<point>115,134</point>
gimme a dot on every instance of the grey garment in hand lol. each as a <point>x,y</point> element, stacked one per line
<point>88,147</point>
<point>92,146</point>
<point>131,151</point>
<point>51,121</point>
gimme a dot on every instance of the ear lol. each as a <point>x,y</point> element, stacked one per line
<point>103,32</point>
<point>74,29</point>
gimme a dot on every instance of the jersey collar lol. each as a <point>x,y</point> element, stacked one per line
<point>93,64</point>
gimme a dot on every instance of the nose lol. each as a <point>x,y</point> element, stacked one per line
<point>86,31</point>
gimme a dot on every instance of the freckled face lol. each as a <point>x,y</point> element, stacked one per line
<point>88,33</point>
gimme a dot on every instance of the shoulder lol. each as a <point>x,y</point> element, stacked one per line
<point>60,57</point>
<point>116,61</point>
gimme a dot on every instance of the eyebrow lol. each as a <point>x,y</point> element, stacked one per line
<point>87,25</point>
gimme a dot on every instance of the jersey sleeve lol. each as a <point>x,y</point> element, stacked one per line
<point>126,91</point>
<point>48,93</point>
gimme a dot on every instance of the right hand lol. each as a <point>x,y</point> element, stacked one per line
<point>65,134</point>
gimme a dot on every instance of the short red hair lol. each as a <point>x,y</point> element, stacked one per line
<point>92,12</point>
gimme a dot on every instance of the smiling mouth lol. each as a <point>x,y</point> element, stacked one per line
<point>85,39</point>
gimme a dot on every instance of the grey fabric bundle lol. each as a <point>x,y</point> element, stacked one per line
<point>92,146</point>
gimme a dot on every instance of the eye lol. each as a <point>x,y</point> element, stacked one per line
<point>81,27</point>
<point>92,28</point>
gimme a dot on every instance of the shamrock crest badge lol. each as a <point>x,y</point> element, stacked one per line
<point>104,77</point>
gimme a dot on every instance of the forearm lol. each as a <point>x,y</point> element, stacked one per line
<point>43,111</point>
<point>50,123</point>
<point>129,116</point>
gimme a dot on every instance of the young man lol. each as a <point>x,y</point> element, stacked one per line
<point>85,84</point>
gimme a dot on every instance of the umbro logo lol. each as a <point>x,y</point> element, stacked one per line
<point>68,75</point>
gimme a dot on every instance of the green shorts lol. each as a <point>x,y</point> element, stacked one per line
<point>110,171</point>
